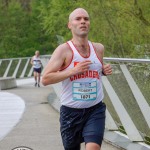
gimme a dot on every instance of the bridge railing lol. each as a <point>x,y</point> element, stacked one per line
<point>127,92</point>
<point>127,95</point>
<point>19,67</point>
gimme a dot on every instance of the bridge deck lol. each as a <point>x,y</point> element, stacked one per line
<point>38,127</point>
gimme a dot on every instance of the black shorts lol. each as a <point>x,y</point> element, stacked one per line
<point>82,125</point>
<point>38,70</point>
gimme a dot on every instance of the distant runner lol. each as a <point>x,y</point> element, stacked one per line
<point>36,62</point>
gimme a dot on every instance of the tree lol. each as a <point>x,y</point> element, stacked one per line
<point>122,26</point>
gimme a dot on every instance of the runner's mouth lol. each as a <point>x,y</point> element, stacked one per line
<point>83,27</point>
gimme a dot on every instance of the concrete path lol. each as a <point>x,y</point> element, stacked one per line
<point>11,110</point>
<point>38,127</point>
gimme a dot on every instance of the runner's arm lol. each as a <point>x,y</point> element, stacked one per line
<point>106,69</point>
<point>52,74</point>
<point>31,61</point>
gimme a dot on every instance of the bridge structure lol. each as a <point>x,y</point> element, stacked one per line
<point>127,97</point>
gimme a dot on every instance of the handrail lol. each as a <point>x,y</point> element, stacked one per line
<point>133,60</point>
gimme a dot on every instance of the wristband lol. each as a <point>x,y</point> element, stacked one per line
<point>103,73</point>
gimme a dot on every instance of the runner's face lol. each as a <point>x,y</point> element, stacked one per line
<point>37,54</point>
<point>79,23</point>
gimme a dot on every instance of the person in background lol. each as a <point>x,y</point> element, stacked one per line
<point>36,62</point>
<point>78,63</point>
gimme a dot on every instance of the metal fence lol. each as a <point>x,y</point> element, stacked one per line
<point>127,95</point>
<point>19,67</point>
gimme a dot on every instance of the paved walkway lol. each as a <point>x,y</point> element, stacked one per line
<point>38,126</point>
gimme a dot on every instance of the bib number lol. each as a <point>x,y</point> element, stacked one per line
<point>84,91</point>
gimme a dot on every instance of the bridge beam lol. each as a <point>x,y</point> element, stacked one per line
<point>128,124</point>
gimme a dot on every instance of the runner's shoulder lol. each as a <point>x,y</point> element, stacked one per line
<point>63,49</point>
<point>98,46</point>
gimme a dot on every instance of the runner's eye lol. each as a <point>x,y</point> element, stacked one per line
<point>78,18</point>
<point>86,18</point>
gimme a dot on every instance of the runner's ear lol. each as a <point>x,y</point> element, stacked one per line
<point>69,25</point>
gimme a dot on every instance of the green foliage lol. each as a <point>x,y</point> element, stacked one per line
<point>21,32</point>
<point>122,26</point>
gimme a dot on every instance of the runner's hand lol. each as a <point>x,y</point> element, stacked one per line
<point>107,70</point>
<point>82,67</point>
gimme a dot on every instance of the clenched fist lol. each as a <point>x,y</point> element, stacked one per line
<point>107,70</point>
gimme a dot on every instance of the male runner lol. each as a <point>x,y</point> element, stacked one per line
<point>79,65</point>
<point>36,62</point>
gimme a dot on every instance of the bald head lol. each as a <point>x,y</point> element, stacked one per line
<point>76,12</point>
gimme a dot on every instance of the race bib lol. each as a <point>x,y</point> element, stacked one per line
<point>84,91</point>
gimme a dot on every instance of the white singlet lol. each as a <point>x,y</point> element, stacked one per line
<point>36,62</point>
<point>83,90</point>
